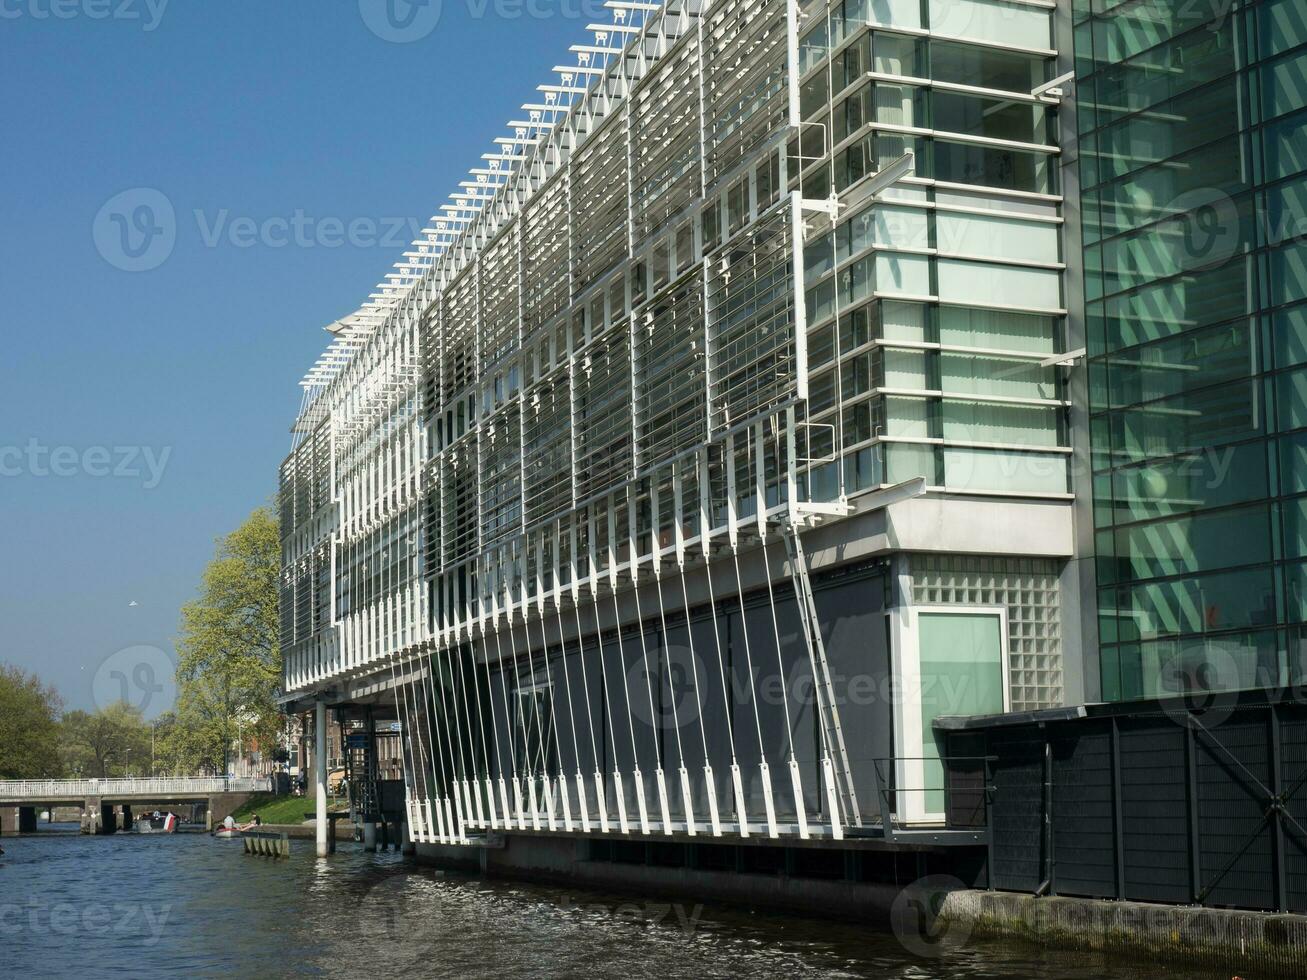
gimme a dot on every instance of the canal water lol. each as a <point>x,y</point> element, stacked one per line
<point>187,904</point>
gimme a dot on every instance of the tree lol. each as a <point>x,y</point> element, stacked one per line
<point>29,727</point>
<point>113,741</point>
<point>164,736</point>
<point>230,660</point>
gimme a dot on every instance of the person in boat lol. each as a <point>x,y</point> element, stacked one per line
<point>254,823</point>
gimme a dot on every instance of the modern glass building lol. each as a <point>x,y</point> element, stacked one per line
<point>1192,150</point>
<point>791,375</point>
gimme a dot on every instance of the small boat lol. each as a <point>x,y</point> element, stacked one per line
<point>157,823</point>
<point>226,833</point>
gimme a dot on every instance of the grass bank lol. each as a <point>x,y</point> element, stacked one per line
<point>281,809</point>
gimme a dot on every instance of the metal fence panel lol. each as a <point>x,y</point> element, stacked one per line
<point>1017,817</point>
<point>1235,848</point>
<point>1083,838</point>
<point>1147,801</point>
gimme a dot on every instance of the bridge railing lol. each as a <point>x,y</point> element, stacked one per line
<point>55,789</point>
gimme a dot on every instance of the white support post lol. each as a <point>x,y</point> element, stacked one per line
<point>663,804</point>
<point>567,803</point>
<point>621,803</point>
<point>582,803</point>
<point>490,803</point>
<point>685,795</point>
<point>535,809</point>
<point>320,778</point>
<point>601,800</point>
<point>415,833</point>
<point>832,798</point>
<point>503,802</point>
<point>737,781</point>
<point>476,800</point>
<point>548,793</point>
<point>460,811</point>
<point>441,836</point>
<point>796,782</point>
<point>640,800</point>
<point>714,817</point>
<point>772,830</point>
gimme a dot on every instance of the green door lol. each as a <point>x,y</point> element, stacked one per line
<point>961,674</point>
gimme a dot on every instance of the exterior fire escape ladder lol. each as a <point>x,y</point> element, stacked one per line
<point>837,773</point>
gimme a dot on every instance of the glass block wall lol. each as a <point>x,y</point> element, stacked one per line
<point>1192,170</point>
<point>1029,589</point>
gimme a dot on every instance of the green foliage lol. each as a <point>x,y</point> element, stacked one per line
<point>29,728</point>
<point>113,741</point>
<point>230,661</point>
<point>167,736</point>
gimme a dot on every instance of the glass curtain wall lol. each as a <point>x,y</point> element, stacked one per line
<point>929,311</point>
<point>1192,168</point>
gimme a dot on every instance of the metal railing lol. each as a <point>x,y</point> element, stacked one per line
<point>890,795</point>
<point>50,790</point>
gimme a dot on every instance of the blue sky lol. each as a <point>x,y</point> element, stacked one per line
<point>261,116</point>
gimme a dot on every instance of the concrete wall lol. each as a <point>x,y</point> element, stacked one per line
<point>1232,941</point>
<point>225,804</point>
<point>562,861</point>
<point>19,819</point>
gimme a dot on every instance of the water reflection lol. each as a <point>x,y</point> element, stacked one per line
<point>189,903</point>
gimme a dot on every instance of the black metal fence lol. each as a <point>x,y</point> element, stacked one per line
<point>1148,801</point>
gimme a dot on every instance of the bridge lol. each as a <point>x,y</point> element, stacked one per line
<point>99,798</point>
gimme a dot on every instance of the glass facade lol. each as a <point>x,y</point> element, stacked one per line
<point>930,310</point>
<point>1192,168</point>
<point>682,315</point>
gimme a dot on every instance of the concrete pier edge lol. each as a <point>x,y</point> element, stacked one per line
<point>1246,943</point>
<point>1243,941</point>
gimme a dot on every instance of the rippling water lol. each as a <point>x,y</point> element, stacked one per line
<point>149,905</point>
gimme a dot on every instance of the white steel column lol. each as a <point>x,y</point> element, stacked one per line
<point>320,777</point>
